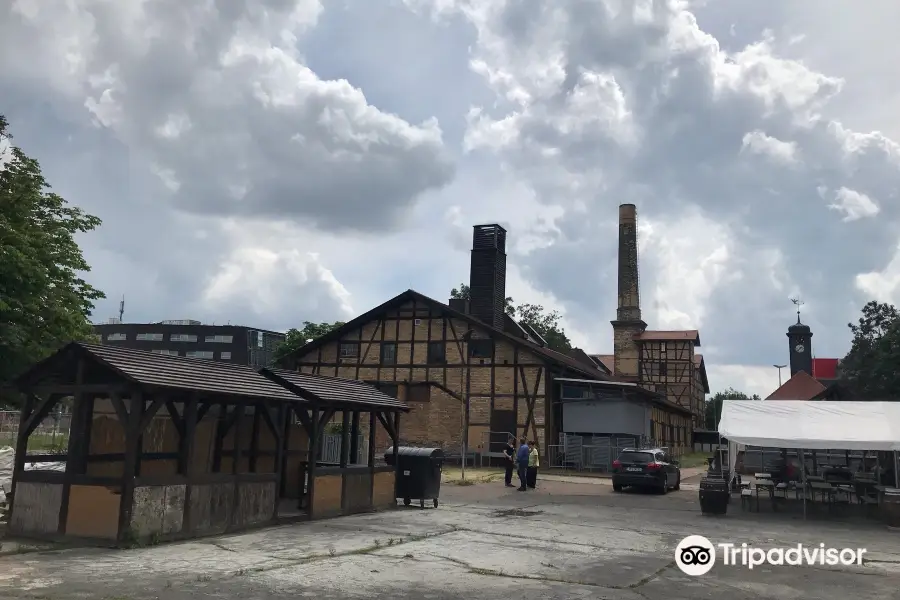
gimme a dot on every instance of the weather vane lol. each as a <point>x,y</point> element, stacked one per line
<point>798,303</point>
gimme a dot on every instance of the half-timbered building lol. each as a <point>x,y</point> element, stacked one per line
<point>471,375</point>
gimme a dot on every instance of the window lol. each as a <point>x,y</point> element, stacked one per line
<point>418,393</point>
<point>225,355</point>
<point>481,348</point>
<point>149,337</point>
<point>349,350</point>
<point>116,337</point>
<point>575,392</point>
<point>437,353</point>
<point>388,353</point>
<point>663,369</point>
<point>199,354</point>
<point>167,352</point>
<point>220,339</point>
<point>182,337</point>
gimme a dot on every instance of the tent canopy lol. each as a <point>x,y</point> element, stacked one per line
<point>814,425</point>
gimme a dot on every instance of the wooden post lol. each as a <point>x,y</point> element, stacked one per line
<point>254,436</point>
<point>220,437</point>
<point>354,438</point>
<point>186,458</point>
<point>312,457</point>
<point>132,439</point>
<point>396,424</point>
<point>372,423</point>
<point>21,448</point>
<point>345,439</point>
<point>79,444</point>
<point>280,454</point>
<point>238,438</point>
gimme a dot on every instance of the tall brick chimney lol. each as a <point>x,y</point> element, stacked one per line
<point>487,277</point>
<point>628,321</point>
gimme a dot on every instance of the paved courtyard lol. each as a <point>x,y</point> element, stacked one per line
<point>566,540</point>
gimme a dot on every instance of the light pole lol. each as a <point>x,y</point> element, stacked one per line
<point>779,367</point>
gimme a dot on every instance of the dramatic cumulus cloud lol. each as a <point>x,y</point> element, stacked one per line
<point>285,160</point>
<point>751,192</point>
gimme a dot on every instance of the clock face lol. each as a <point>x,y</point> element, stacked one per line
<point>799,348</point>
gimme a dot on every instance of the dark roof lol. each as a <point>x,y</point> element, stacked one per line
<point>179,372</point>
<point>801,386</point>
<point>699,363</point>
<point>551,355</point>
<point>685,335</point>
<point>332,390</point>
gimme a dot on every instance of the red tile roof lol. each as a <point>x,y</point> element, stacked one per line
<point>607,360</point>
<point>801,386</point>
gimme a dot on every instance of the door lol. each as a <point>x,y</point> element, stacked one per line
<point>503,424</point>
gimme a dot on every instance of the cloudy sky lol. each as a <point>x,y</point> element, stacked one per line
<point>274,161</point>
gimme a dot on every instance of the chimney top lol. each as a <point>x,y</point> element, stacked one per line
<point>627,214</point>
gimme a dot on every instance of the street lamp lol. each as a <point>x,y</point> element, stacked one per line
<point>779,367</point>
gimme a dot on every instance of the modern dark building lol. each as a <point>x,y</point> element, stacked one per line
<point>232,343</point>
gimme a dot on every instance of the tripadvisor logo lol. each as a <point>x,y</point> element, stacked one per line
<point>696,555</point>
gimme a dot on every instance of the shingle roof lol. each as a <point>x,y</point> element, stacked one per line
<point>801,386</point>
<point>686,335</point>
<point>181,372</point>
<point>332,390</point>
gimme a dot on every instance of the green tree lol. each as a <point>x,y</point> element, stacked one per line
<point>534,315</point>
<point>714,405</point>
<point>869,370</point>
<point>44,302</point>
<point>297,338</point>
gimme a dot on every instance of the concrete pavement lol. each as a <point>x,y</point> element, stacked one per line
<point>564,540</point>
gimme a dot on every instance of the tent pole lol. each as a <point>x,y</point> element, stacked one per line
<point>896,469</point>
<point>803,479</point>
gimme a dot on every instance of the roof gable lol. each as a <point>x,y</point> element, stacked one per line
<point>801,386</point>
<point>410,295</point>
<point>685,335</point>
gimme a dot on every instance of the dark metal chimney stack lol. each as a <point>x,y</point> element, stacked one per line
<point>487,276</point>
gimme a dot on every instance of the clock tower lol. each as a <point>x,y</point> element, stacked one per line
<point>800,340</point>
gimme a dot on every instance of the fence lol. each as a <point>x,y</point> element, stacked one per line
<point>50,437</point>
<point>597,455</point>
<point>331,449</point>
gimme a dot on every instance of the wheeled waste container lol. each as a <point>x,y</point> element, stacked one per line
<point>418,473</point>
<point>714,495</point>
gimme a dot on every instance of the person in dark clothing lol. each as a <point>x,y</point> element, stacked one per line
<point>510,452</point>
<point>522,463</point>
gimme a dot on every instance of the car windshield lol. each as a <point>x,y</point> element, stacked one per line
<point>641,458</point>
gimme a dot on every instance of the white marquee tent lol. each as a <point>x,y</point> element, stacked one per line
<point>814,425</point>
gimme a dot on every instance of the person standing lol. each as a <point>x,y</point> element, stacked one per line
<point>533,464</point>
<point>522,464</point>
<point>510,453</point>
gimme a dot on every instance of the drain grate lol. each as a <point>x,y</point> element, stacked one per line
<point>517,512</point>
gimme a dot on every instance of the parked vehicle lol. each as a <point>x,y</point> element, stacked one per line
<point>646,468</point>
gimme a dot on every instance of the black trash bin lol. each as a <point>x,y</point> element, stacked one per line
<point>418,473</point>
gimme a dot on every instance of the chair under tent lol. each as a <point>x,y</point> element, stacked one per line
<point>811,425</point>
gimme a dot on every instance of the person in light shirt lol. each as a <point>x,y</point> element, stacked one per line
<point>533,464</point>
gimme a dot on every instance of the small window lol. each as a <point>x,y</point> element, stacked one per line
<point>182,337</point>
<point>166,352</point>
<point>225,355</point>
<point>199,354</point>
<point>481,348</point>
<point>388,353</point>
<point>349,350</point>
<point>116,337</point>
<point>220,339</point>
<point>418,393</point>
<point>149,337</point>
<point>663,369</point>
<point>437,353</point>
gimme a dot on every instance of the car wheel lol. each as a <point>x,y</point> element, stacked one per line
<point>617,487</point>
<point>665,484</point>
<point>677,483</point>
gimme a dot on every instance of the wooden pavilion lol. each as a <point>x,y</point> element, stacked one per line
<point>168,447</point>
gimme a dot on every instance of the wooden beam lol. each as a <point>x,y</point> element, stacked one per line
<point>238,437</point>
<point>388,426</point>
<point>21,448</point>
<point>354,438</point>
<point>254,437</point>
<point>281,411</point>
<point>177,419</point>
<point>371,455</point>
<point>41,411</point>
<point>72,389</point>
<point>221,431</point>
<point>345,439</point>
<point>132,439</point>
<point>186,464</point>
<point>313,456</point>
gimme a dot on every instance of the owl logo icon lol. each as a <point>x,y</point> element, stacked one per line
<point>695,555</point>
